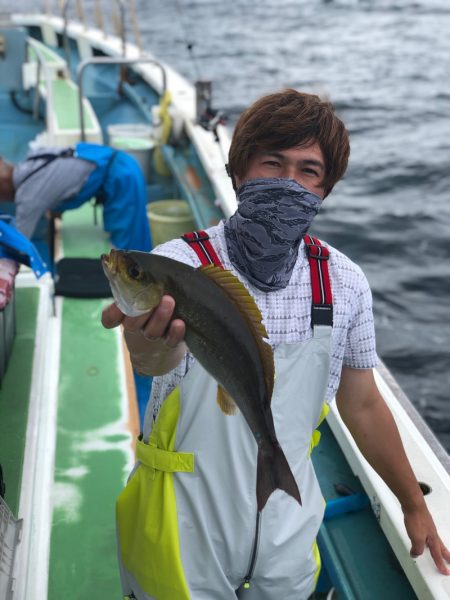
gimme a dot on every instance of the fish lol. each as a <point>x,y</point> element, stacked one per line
<point>224,332</point>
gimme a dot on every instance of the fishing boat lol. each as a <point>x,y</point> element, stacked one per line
<point>69,400</point>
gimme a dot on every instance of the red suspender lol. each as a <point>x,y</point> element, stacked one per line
<point>322,299</point>
<point>199,242</point>
<point>318,255</point>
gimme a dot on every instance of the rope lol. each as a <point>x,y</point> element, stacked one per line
<point>98,15</point>
<point>80,12</point>
<point>164,114</point>
<point>116,23</point>
<point>134,22</point>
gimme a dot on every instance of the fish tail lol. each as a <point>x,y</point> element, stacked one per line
<point>274,473</point>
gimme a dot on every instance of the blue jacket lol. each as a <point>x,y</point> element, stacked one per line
<point>16,246</point>
<point>118,179</point>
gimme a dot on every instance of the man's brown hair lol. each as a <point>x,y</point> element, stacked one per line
<point>287,119</point>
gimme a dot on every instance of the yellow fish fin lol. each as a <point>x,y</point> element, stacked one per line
<point>244,301</point>
<point>225,401</point>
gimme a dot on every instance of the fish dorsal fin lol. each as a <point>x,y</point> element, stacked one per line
<point>245,303</point>
<point>225,401</point>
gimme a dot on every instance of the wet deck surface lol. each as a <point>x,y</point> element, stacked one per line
<point>93,444</point>
<point>15,394</point>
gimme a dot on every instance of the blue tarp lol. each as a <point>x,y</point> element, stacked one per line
<point>17,247</point>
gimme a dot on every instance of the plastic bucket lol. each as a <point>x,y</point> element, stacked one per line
<point>134,130</point>
<point>169,219</point>
<point>136,140</point>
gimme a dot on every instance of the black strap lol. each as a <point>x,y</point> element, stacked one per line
<point>48,157</point>
<point>66,152</point>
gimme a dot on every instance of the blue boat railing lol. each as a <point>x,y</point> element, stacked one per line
<point>49,102</point>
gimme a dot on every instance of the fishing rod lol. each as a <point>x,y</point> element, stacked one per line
<point>189,43</point>
<point>207,116</point>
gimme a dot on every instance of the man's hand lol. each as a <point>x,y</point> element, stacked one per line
<point>155,341</point>
<point>422,533</point>
<point>375,432</point>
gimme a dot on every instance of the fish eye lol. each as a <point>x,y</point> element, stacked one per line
<point>134,272</point>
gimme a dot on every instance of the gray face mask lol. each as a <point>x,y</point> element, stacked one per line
<point>265,232</point>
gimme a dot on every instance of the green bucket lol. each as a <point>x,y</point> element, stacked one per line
<point>169,219</point>
<point>134,139</point>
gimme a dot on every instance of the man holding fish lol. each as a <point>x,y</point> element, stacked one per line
<point>229,506</point>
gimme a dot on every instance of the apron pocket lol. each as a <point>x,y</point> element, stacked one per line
<point>147,523</point>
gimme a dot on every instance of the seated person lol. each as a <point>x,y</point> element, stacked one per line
<point>15,249</point>
<point>59,179</point>
<point>8,272</point>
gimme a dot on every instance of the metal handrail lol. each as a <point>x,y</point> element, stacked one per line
<point>106,60</point>
<point>42,65</point>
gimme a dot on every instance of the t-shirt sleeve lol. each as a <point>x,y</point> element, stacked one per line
<point>360,349</point>
<point>178,249</point>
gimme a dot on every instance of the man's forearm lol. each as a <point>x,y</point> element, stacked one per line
<point>372,425</point>
<point>388,458</point>
<point>375,432</point>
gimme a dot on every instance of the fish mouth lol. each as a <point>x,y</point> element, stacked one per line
<point>110,262</point>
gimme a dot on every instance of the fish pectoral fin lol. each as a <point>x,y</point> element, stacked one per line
<point>225,401</point>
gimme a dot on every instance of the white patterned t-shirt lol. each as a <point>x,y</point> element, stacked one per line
<point>287,313</point>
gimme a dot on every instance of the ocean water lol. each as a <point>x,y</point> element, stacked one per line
<point>385,64</point>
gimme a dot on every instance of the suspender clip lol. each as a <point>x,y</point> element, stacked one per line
<point>316,251</point>
<point>199,242</point>
<point>322,314</point>
<point>195,237</point>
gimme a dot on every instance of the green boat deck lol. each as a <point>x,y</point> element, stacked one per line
<point>93,444</point>
<point>94,431</point>
<point>15,394</point>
